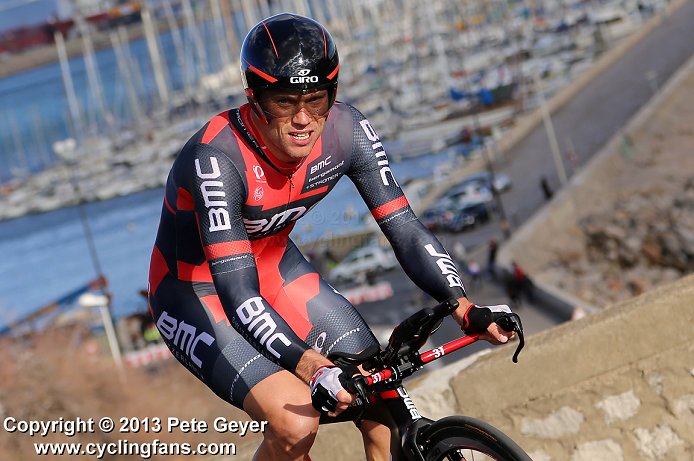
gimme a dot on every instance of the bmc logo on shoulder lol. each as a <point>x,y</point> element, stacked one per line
<point>213,195</point>
<point>379,152</point>
<point>303,77</point>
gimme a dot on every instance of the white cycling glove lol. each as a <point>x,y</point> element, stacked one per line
<point>325,383</point>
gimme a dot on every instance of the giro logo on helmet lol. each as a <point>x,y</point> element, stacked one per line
<point>304,72</point>
<point>307,79</point>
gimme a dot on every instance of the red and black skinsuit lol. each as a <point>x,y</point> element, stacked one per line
<point>231,294</point>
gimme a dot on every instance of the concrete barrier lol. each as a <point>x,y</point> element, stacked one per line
<point>613,386</point>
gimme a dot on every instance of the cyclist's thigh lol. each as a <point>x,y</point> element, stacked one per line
<point>320,315</point>
<point>193,326</point>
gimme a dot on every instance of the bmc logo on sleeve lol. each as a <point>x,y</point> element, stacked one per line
<point>213,195</point>
<point>260,324</point>
<point>183,336</point>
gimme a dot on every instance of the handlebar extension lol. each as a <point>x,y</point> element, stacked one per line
<point>414,331</point>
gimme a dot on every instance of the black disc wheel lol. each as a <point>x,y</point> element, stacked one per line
<point>459,438</point>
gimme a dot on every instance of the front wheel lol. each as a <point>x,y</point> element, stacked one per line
<point>459,438</point>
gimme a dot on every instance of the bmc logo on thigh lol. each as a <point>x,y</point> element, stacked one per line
<point>183,336</point>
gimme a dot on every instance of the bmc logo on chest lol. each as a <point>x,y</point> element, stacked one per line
<point>212,194</point>
<point>263,226</point>
<point>322,164</point>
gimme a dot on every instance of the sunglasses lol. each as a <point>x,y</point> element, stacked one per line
<point>287,104</point>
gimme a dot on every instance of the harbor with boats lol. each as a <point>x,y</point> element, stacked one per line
<point>117,117</point>
<point>53,244</point>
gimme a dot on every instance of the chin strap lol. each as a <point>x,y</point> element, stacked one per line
<point>255,105</point>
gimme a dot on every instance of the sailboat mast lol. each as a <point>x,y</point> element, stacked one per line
<point>155,56</point>
<point>73,106</point>
<point>93,77</point>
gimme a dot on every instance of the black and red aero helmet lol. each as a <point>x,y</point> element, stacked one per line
<point>288,52</point>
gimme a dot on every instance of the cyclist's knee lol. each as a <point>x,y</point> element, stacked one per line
<point>291,434</point>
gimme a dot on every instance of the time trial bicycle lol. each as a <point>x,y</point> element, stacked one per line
<point>422,439</point>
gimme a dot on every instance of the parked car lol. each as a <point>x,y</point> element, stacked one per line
<point>480,181</point>
<point>468,217</point>
<point>432,218</point>
<point>467,192</point>
<point>502,181</point>
<point>363,261</point>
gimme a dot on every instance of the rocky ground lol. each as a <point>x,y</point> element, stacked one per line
<point>627,224</point>
<point>65,374</point>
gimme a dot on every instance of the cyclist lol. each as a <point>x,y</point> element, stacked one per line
<point>232,296</point>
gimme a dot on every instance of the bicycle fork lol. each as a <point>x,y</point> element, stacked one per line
<point>409,423</point>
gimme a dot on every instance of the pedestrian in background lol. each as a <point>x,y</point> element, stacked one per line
<point>546,189</point>
<point>512,291</point>
<point>473,271</point>
<point>460,255</point>
<point>492,249</point>
<point>522,281</point>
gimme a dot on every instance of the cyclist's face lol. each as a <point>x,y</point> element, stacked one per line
<point>295,122</point>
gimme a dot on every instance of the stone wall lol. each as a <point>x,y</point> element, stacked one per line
<point>618,384</point>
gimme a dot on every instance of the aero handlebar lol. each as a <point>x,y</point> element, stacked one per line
<point>401,357</point>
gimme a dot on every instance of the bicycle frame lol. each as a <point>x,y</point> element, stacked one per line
<point>401,406</point>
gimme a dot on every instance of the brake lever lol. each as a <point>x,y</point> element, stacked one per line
<point>512,322</point>
<point>357,387</point>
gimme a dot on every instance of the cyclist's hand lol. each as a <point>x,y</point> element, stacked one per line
<point>481,320</point>
<point>328,393</point>
<point>497,335</point>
